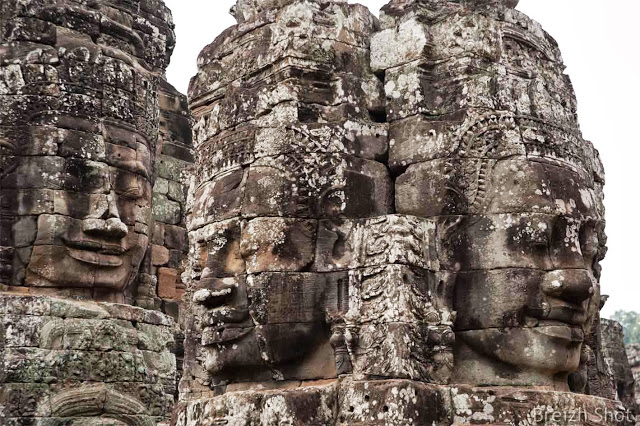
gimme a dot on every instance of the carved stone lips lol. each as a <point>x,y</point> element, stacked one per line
<point>95,258</point>
<point>223,335</point>
<point>212,298</point>
<point>570,314</point>
<point>560,330</point>
<point>560,312</point>
<point>96,246</point>
<point>95,252</point>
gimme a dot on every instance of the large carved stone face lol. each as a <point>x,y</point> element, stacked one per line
<point>81,123</point>
<point>527,288</point>
<point>99,236</point>
<point>265,326</point>
<point>262,326</point>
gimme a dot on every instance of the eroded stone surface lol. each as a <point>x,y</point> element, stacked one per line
<point>633,353</point>
<point>401,403</point>
<point>615,355</point>
<point>80,85</point>
<point>483,133</point>
<point>383,214</point>
<point>66,362</point>
<point>93,145</point>
<point>288,147</point>
<point>403,199</point>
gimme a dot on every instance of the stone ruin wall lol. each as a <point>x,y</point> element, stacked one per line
<point>618,361</point>
<point>633,353</point>
<point>68,362</point>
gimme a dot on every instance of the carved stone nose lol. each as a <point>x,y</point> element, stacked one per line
<point>570,285</point>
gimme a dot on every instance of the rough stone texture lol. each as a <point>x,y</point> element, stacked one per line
<point>289,151</point>
<point>80,86</point>
<point>633,353</point>
<point>382,210</point>
<point>399,403</point>
<point>484,136</point>
<point>615,355</point>
<point>168,246</point>
<point>383,215</point>
<point>68,362</point>
<point>93,146</point>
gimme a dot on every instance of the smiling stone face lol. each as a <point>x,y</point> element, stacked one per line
<point>527,287</point>
<point>495,157</point>
<point>79,137</point>
<point>97,236</point>
<point>285,138</point>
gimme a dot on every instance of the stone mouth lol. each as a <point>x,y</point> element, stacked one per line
<point>560,330</point>
<point>223,335</point>
<point>100,247</point>
<point>95,258</point>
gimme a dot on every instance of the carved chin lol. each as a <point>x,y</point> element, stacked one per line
<point>244,352</point>
<point>552,349</point>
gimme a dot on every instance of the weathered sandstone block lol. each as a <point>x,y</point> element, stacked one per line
<point>79,362</point>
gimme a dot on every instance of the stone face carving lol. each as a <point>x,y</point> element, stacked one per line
<point>93,141</point>
<point>484,136</point>
<point>396,205</point>
<point>288,151</point>
<point>383,215</point>
<point>80,131</point>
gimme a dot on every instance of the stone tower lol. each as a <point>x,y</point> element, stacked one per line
<point>392,222</point>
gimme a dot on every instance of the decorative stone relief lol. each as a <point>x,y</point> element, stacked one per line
<point>92,143</point>
<point>69,362</point>
<point>390,221</point>
<point>387,213</point>
<point>484,137</point>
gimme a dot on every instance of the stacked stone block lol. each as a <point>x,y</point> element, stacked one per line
<point>633,353</point>
<point>616,358</point>
<point>461,244</point>
<point>86,121</point>
<point>161,285</point>
<point>66,362</point>
<point>289,149</point>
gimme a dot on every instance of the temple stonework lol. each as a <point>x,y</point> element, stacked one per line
<point>350,221</point>
<point>633,353</point>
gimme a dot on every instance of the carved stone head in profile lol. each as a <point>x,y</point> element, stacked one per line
<point>496,231</point>
<point>516,192</point>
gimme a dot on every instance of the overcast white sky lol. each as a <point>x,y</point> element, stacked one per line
<point>600,44</point>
